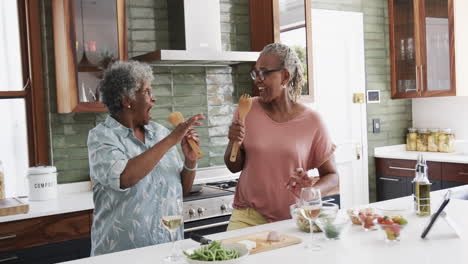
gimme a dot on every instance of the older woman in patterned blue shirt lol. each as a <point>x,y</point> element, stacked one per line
<point>136,169</point>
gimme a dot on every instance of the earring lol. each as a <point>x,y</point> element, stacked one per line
<point>129,106</point>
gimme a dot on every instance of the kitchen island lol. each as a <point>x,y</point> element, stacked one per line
<point>356,246</point>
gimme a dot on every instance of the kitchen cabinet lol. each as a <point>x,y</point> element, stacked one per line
<point>47,239</point>
<point>454,174</point>
<point>394,177</point>
<point>49,253</point>
<point>422,48</point>
<point>88,36</point>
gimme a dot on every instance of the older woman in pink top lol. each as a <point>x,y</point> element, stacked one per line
<point>281,139</point>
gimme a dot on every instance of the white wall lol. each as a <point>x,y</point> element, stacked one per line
<point>442,112</point>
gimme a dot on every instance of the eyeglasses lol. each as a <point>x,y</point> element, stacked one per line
<point>262,73</point>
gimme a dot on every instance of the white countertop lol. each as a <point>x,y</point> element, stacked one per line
<point>66,203</point>
<point>77,197</point>
<point>356,246</point>
<point>399,152</point>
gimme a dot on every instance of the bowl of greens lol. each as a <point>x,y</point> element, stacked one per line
<point>215,252</point>
<point>332,226</point>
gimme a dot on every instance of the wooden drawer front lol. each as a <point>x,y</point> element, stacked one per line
<point>405,168</point>
<point>455,172</point>
<point>43,230</point>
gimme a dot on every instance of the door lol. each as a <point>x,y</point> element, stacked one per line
<point>339,73</point>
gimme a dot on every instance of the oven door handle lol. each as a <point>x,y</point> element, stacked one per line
<point>205,226</point>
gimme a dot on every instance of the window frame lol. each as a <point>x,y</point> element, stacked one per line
<point>265,29</point>
<point>30,33</point>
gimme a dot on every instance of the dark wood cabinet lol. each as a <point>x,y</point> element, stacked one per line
<point>422,48</point>
<point>49,253</point>
<point>47,239</point>
<point>394,176</point>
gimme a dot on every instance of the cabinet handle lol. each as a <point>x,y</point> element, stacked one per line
<point>205,226</point>
<point>7,237</point>
<point>417,78</point>
<point>9,259</point>
<point>463,173</point>
<point>422,79</point>
<point>401,168</point>
<point>389,179</point>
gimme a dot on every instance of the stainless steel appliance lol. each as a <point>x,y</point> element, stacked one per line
<point>208,208</point>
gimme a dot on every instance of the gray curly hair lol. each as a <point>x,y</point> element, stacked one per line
<point>291,62</point>
<point>123,78</point>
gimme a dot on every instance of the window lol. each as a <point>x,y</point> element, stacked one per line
<point>23,138</point>
<point>294,18</point>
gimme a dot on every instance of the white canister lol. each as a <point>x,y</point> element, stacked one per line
<point>42,183</point>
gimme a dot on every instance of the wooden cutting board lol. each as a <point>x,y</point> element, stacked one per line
<point>11,206</point>
<point>262,243</point>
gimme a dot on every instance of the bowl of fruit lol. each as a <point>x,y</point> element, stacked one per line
<point>367,217</point>
<point>392,227</point>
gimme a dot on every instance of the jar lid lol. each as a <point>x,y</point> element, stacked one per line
<point>447,130</point>
<point>422,130</point>
<point>412,129</point>
<point>434,130</point>
<point>42,170</point>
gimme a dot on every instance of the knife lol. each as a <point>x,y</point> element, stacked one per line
<point>201,239</point>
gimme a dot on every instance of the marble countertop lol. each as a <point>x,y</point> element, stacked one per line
<point>399,152</point>
<point>442,245</point>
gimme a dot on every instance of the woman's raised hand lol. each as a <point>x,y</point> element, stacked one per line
<point>298,180</point>
<point>236,131</point>
<point>183,128</point>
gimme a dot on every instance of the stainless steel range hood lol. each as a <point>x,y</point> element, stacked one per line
<point>195,37</point>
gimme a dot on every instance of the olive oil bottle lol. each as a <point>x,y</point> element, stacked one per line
<point>422,189</point>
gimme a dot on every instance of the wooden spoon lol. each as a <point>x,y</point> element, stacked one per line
<point>245,103</point>
<point>175,118</point>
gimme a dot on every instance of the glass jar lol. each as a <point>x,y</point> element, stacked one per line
<point>446,141</point>
<point>421,139</point>
<point>433,140</point>
<point>411,139</point>
<point>2,182</point>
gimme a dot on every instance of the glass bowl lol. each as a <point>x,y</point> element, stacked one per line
<point>367,220</point>
<point>302,223</point>
<point>332,227</point>
<point>392,230</point>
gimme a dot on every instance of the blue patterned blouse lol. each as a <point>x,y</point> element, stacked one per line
<point>130,218</point>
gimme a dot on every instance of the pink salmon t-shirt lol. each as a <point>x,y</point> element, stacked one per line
<point>272,152</point>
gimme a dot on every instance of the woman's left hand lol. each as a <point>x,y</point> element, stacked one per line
<point>298,180</point>
<point>189,153</point>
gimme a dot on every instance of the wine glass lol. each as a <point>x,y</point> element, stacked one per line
<point>171,220</point>
<point>311,204</point>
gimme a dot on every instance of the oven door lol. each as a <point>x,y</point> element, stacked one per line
<point>206,226</point>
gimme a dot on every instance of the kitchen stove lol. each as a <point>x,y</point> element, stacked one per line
<point>208,207</point>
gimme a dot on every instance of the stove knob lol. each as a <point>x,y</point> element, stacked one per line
<point>191,212</point>
<point>223,207</point>
<point>200,210</point>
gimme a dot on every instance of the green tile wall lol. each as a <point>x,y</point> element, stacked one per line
<point>214,90</point>
<point>190,90</point>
